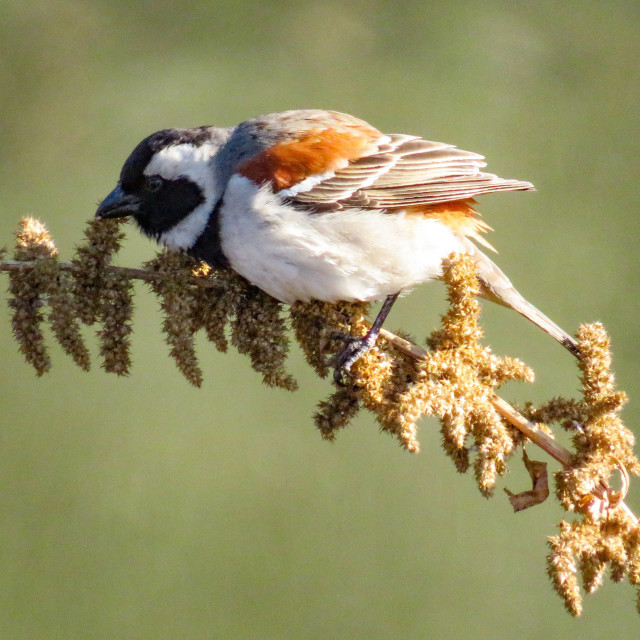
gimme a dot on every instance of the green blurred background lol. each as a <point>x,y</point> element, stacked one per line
<point>143,508</point>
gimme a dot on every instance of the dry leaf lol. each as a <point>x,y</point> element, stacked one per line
<point>539,493</point>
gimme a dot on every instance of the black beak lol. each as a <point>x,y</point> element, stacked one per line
<point>118,204</point>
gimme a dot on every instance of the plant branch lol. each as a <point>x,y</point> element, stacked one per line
<point>509,413</point>
<point>515,418</point>
<point>528,428</point>
<point>145,275</point>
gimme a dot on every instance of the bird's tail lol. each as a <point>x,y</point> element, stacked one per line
<point>495,286</point>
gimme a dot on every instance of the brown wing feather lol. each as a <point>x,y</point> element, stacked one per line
<point>407,171</point>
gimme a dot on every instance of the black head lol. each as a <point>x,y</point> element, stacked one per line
<point>168,185</point>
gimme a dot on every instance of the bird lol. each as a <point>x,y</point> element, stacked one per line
<point>317,204</point>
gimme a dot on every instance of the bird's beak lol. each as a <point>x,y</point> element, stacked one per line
<point>118,204</point>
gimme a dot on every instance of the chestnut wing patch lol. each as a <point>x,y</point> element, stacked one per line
<point>295,166</point>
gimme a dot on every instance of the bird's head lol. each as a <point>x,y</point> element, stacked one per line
<point>169,185</point>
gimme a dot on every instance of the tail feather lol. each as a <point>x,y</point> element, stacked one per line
<point>495,286</point>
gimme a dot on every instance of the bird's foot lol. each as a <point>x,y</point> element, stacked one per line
<point>353,351</point>
<point>357,347</point>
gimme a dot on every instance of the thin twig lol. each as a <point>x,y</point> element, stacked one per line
<point>135,274</point>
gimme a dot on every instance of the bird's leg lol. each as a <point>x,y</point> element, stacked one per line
<point>356,347</point>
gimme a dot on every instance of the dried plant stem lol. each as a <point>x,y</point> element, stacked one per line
<point>515,418</point>
<point>556,451</point>
<point>528,428</point>
<point>127,272</point>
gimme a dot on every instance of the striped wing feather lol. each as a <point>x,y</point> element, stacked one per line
<point>407,171</point>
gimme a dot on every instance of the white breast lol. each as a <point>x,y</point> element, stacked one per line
<point>352,254</point>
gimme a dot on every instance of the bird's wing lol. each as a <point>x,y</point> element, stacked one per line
<point>331,161</point>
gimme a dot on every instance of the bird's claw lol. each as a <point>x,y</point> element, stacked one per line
<point>352,352</point>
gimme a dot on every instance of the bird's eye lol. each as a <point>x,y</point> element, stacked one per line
<point>154,183</point>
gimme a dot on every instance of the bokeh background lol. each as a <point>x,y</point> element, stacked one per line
<point>143,508</point>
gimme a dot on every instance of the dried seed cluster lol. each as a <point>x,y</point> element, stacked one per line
<point>32,289</point>
<point>455,381</point>
<point>84,293</point>
<point>607,535</point>
<point>116,310</point>
<point>220,300</point>
<point>174,289</point>
<point>103,238</point>
<point>90,290</point>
